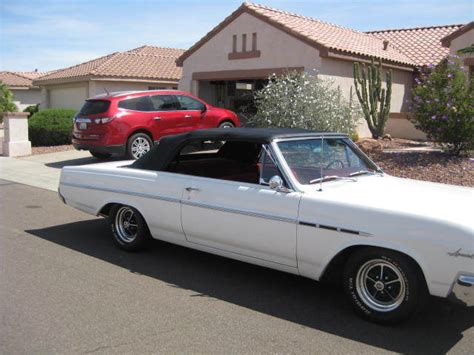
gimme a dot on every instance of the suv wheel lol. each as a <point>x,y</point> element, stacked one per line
<point>226,124</point>
<point>383,286</point>
<point>138,145</point>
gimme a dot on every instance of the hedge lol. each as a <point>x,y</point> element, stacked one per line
<point>51,127</point>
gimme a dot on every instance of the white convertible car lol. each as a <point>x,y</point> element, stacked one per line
<point>298,201</point>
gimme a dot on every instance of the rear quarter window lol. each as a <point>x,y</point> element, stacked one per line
<point>141,103</point>
<point>94,107</point>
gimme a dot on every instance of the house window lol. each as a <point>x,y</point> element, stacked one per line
<point>254,41</point>
<point>234,43</point>
<point>244,43</point>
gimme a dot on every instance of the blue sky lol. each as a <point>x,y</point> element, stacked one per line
<point>53,34</point>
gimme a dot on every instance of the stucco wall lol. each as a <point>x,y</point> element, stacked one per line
<point>278,50</point>
<point>98,86</point>
<point>341,73</point>
<point>25,98</point>
<point>403,128</point>
<point>463,41</point>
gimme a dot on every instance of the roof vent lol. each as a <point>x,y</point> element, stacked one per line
<point>385,44</point>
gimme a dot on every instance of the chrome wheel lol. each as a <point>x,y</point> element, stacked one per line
<point>380,285</point>
<point>126,225</point>
<point>226,125</point>
<point>140,146</point>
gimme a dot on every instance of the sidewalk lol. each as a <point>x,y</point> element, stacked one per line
<point>43,170</point>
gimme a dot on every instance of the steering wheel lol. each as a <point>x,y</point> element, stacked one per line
<point>334,162</point>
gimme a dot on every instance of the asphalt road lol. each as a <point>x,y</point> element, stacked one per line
<point>64,287</point>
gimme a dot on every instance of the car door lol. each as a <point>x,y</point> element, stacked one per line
<point>242,218</point>
<point>192,111</point>
<point>167,116</point>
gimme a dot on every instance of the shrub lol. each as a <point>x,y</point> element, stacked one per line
<point>32,109</point>
<point>6,100</point>
<point>51,127</point>
<point>443,106</point>
<point>301,100</point>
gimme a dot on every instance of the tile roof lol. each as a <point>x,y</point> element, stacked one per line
<point>330,37</point>
<point>422,45</point>
<point>146,62</point>
<point>19,79</point>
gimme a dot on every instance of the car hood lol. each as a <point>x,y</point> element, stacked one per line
<point>427,200</point>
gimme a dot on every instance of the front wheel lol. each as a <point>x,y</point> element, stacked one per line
<point>129,228</point>
<point>383,286</point>
<point>226,124</point>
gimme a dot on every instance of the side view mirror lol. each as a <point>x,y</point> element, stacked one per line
<point>276,183</point>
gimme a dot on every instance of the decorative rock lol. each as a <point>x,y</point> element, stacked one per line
<point>370,146</point>
<point>387,137</point>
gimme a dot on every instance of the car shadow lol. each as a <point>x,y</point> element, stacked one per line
<point>296,299</point>
<point>81,161</point>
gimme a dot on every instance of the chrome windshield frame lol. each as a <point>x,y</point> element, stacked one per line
<point>285,168</point>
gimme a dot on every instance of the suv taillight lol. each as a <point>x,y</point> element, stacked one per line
<point>103,120</point>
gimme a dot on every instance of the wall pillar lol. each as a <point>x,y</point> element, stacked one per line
<point>15,141</point>
<point>44,98</point>
<point>195,87</point>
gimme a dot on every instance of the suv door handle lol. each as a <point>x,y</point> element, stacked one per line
<point>188,116</point>
<point>189,189</point>
<point>157,118</point>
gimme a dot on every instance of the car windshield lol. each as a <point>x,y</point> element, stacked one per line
<point>312,161</point>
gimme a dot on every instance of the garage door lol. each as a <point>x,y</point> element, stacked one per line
<point>67,97</point>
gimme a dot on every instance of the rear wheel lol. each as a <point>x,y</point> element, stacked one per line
<point>138,145</point>
<point>100,155</point>
<point>129,228</point>
<point>383,286</point>
<point>226,124</point>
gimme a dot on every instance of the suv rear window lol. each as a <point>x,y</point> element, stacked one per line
<point>94,107</point>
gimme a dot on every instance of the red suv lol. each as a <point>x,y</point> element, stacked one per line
<point>129,123</point>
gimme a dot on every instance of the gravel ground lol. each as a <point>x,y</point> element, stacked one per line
<point>52,149</point>
<point>429,166</point>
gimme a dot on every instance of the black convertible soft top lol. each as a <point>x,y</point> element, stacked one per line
<point>162,154</point>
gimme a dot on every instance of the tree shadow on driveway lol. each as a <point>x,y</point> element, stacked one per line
<point>292,298</point>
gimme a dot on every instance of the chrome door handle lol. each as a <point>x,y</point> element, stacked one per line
<point>189,189</point>
<point>188,116</point>
<point>157,118</point>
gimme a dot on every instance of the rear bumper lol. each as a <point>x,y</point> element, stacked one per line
<point>107,149</point>
<point>462,291</point>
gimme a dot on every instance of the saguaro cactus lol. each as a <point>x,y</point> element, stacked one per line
<point>374,100</point>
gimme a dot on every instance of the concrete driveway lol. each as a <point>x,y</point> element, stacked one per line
<point>65,288</point>
<point>42,170</point>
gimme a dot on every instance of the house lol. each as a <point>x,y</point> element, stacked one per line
<point>237,56</point>
<point>461,42</point>
<point>143,68</point>
<point>21,85</point>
